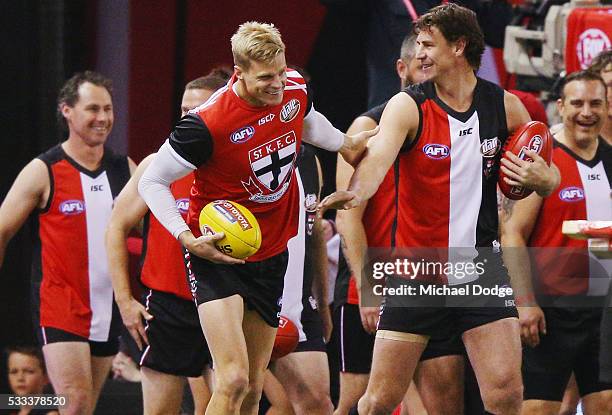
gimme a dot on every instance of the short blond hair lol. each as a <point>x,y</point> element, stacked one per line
<point>256,41</point>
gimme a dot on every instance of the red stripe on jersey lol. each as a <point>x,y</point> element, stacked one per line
<point>424,185</point>
<point>64,291</point>
<point>561,271</point>
<point>163,268</point>
<point>253,163</point>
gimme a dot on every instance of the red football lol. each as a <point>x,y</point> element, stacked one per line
<point>532,136</point>
<point>287,338</point>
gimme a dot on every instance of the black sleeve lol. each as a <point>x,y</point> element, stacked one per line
<point>192,140</point>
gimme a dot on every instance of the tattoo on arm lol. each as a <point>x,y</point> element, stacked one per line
<point>507,208</point>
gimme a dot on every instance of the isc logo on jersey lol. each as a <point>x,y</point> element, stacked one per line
<point>72,207</point>
<point>436,151</point>
<point>571,194</point>
<point>290,110</point>
<point>242,135</point>
<point>182,205</point>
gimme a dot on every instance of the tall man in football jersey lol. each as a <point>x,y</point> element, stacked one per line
<point>172,342</point>
<point>449,201</point>
<point>242,144</point>
<point>561,337</point>
<point>72,187</point>
<point>439,376</point>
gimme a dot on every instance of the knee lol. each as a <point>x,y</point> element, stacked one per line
<point>232,382</point>
<point>79,400</point>
<point>504,398</point>
<point>315,401</point>
<point>375,404</point>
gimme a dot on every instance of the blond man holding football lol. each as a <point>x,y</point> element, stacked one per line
<point>242,144</point>
<point>446,136</point>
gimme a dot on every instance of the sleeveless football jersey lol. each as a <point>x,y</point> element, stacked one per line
<point>76,294</point>
<point>584,194</point>
<point>448,175</point>
<point>297,291</point>
<point>163,268</point>
<point>247,154</point>
<point>379,218</point>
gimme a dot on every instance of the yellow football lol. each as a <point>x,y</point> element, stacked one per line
<point>242,234</point>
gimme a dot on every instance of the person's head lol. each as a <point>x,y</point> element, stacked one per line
<point>200,89</point>
<point>407,66</point>
<point>26,370</point>
<point>583,107</point>
<point>85,107</point>
<point>447,36</point>
<point>259,61</point>
<point>602,64</point>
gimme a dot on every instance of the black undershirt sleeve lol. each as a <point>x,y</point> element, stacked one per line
<point>192,140</point>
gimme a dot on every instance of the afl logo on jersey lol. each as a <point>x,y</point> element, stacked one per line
<point>490,147</point>
<point>571,194</point>
<point>242,135</point>
<point>182,205</point>
<point>72,207</point>
<point>290,110</point>
<point>436,151</point>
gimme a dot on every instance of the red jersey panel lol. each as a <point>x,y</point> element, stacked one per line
<point>163,268</point>
<point>253,158</point>
<point>76,294</point>
<point>584,194</point>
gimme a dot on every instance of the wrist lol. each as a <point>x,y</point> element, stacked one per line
<point>185,238</point>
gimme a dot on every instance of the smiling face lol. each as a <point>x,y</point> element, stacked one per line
<point>26,376</point>
<point>91,117</point>
<point>263,83</point>
<point>583,110</point>
<point>436,55</point>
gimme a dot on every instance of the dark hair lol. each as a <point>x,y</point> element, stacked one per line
<point>69,93</point>
<point>582,76</point>
<point>455,23</point>
<point>32,351</point>
<point>215,79</point>
<point>601,61</point>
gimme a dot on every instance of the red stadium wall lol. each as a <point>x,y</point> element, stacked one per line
<point>157,61</point>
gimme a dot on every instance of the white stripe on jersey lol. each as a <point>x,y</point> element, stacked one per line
<point>294,277</point>
<point>599,207</point>
<point>465,192</point>
<point>294,87</point>
<point>98,207</point>
<point>293,74</point>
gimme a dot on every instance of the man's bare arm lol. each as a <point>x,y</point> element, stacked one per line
<point>517,221</point>
<point>127,213</point>
<point>29,191</point>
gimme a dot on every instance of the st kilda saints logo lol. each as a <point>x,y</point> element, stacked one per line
<point>272,165</point>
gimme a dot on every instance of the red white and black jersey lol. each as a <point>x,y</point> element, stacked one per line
<point>380,215</point>
<point>584,194</point>
<point>247,154</point>
<point>448,174</point>
<point>76,294</point>
<point>163,268</point>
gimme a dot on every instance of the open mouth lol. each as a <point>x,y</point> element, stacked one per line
<point>586,124</point>
<point>426,66</point>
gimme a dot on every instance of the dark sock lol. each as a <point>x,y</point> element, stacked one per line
<point>354,411</point>
<point>489,413</point>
